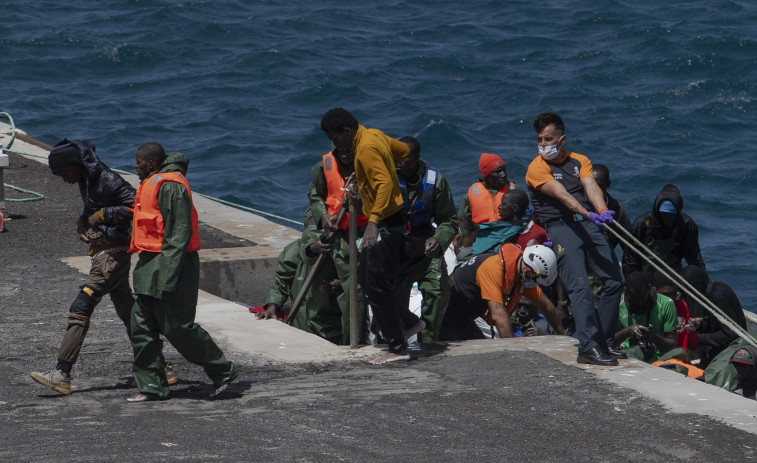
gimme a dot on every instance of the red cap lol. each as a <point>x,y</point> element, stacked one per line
<point>489,162</point>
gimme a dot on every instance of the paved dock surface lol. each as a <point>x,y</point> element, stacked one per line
<point>300,398</point>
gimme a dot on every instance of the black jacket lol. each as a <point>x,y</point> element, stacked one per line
<point>681,241</point>
<point>106,190</point>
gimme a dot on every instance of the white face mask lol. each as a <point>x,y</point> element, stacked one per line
<point>464,252</point>
<point>550,152</point>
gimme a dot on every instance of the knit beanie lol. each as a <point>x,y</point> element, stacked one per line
<point>64,155</point>
<point>489,162</point>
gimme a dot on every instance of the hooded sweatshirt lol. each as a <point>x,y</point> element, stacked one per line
<point>106,195</point>
<point>671,244</point>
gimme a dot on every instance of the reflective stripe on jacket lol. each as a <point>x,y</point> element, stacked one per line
<point>483,206</point>
<point>149,226</point>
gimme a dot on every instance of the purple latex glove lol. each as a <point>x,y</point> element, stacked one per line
<point>606,216</point>
<point>595,218</point>
<point>548,243</point>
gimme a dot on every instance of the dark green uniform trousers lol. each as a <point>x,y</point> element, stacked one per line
<point>433,283</point>
<point>151,317</point>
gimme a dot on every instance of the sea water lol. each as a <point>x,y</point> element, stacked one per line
<point>658,91</point>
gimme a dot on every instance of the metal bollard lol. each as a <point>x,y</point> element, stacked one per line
<point>4,162</point>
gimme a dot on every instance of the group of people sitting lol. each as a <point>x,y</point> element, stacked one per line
<point>506,263</point>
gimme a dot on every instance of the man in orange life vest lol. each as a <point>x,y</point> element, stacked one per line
<point>490,286</point>
<point>326,196</point>
<point>383,238</point>
<point>481,202</point>
<point>167,277</point>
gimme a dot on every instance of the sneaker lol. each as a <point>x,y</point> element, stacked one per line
<point>55,380</point>
<point>171,378</point>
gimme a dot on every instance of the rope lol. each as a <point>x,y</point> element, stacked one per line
<point>649,256</point>
<point>37,196</point>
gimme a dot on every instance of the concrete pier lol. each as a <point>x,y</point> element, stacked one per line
<point>301,398</point>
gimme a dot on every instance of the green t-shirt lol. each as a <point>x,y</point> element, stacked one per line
<point>662,317</point>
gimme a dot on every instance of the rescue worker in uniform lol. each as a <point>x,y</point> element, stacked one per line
<point>668,232</point>
<point>167,277</point>
<point>481,204</point>
<point>428,200</point>
<point>565,194</point>
<point>490,286</point>
<point>105,224</point>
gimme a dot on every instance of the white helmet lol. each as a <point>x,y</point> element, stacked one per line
<point>543,262</point>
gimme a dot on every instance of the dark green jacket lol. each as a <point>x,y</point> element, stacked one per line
<point>172,274</point>
<point>445,217</point>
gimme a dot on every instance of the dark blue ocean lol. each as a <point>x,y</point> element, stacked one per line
<point>658,91</point>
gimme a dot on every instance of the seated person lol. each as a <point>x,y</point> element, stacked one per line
<point>669,233</point>
<point>713,335</point>
<point>463,241</point>
<point>527,321</point>
<point>602,177</point>
<point>646,320</point>
<point>514,225</point>
<point>743,360</point>
<point>481,202</point>
<point>686,334</point>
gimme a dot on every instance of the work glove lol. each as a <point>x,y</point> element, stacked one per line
<point>606,216</point>
<point>596,219</point>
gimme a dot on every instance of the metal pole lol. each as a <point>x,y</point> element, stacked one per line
<point>354,334</point>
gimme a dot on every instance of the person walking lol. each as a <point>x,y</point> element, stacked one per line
<point>167,277</point>
<point>105,225</point>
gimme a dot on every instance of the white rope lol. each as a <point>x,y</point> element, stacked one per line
<point>649,256</point>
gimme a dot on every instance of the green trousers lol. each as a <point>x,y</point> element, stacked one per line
<point>151,317</point>
<point>433,283</point>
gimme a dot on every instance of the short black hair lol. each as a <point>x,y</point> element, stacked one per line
<point>153,151</point>
<point>637,280</point>
<point>543,120</point>
<point>467,226</point>
<point>413,144</point>
<point>517,197</point>
<point>338,118</point>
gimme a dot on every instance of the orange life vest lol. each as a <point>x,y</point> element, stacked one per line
<point>149,227</point>
<point>334,185</point>
<point>691,370</point>
<point>509,253</point>
<point>483,206</point>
